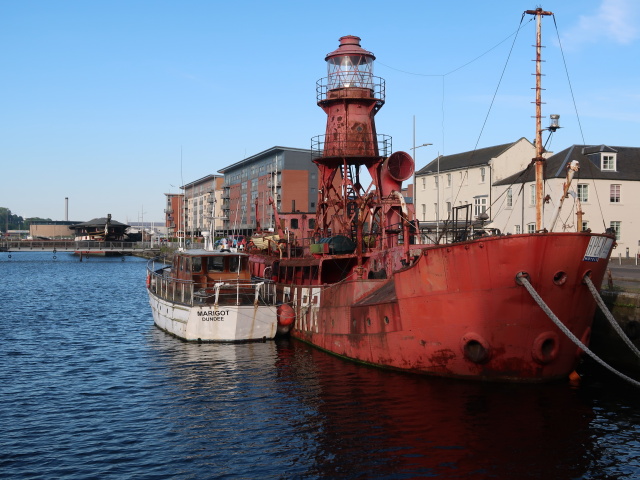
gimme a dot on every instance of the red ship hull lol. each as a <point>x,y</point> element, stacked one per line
<point>458,310</point>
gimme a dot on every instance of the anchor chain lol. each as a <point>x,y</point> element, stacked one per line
<point>607,313</point>
<point>523,280</point>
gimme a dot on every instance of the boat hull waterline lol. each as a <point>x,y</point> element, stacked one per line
<point>458,310</point>
<point>210,323</point>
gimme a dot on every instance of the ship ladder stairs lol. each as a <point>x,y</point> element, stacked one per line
<point>522,279</point>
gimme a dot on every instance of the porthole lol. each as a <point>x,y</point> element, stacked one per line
<point>386,320</point>
<point>560,278</point>
<point>475,348</point>
<point>368,321</point>
<point>546,347</point>
<point>475,351</point>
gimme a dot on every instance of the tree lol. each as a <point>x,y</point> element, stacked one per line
<point>5,216</point>
<point>9,221</point>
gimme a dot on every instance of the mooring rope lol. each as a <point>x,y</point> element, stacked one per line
<point>525,282</point>
<point>607,313</point>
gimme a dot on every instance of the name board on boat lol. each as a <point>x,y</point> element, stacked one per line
<point>598,248</point>
<point>213,315</point>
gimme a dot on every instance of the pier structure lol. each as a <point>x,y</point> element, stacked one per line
<point>82,247</point>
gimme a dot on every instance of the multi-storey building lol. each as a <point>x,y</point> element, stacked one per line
<point>499,182</point>
<point>203,205</point>
<point>173,214</point>
<point>466,178</point>
<point>604,194</point>
<point>287,176</point>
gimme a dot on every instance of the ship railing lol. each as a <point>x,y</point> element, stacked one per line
<point>187,292</point>
<point>330,87</point>
<point>347,146</point>
<point>448,233</point>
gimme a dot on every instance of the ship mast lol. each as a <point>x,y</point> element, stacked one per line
<point>539,159</point>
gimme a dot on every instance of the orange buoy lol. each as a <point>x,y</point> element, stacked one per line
<point>286,315</point>
<point>574,378</point>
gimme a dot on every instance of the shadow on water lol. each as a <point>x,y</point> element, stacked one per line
<point>318,416</point>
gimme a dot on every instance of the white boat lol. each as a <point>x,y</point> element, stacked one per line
<point>208,295</point>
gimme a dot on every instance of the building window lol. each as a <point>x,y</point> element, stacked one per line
<point>424,212</point>
<point>608,163</point>
<point>616,226</point>
<point>435,179</point>
<point>531,228</point>
<point>294,223</point>
<point>517,229</point>
<point>448,179</point>
<point>482,174</point>
<point>449,209</point>
<point>585,226</point>
<point>532,194</point>
<point>583,192</point>
<point>509,197</point>
<point>479,205</point>
<point>424,182</point>
<point>435,209</point>
<point>312,223</point>
<point>614,193</point>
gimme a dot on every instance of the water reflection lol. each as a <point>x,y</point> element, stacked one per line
<point>318,416</point>
<point>388,425</point>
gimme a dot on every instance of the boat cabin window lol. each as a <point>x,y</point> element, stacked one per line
<point>234,263</point>
<point>215,264</point>
<point>196,264</point>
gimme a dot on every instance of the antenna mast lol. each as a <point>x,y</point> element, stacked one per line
<point>539,159</point>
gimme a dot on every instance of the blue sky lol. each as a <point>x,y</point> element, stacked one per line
<point>114,103</point>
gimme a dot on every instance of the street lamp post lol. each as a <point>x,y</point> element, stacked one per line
<point>415,186</point>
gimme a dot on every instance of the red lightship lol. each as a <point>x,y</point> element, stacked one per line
<point>367,288</point>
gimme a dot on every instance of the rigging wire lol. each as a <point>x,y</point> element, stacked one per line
<point>461,66</point>
<point>575,107</point>
<point>443,75</point>
<point>493,99</point>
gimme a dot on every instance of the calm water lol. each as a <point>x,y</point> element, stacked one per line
<point>89,388</point>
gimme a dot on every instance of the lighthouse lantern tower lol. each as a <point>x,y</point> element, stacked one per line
<point>351,96</point>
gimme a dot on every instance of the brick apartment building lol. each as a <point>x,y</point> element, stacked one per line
<point>286,175</point>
